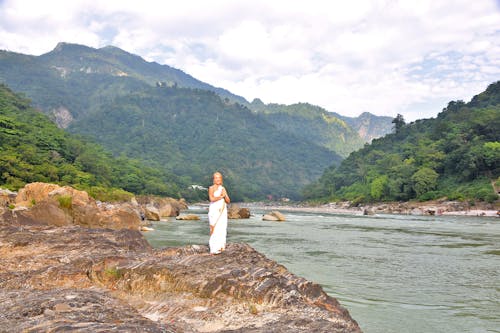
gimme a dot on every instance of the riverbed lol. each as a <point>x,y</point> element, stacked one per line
<point>394,273</point>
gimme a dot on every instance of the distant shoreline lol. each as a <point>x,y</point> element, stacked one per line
<point>443,208</point>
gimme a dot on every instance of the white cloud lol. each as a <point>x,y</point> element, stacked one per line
<point>385,57</point>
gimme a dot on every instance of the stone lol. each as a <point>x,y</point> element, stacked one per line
<point>188,217</point>
<point>269,217</point>
<point>152,213</point>
<point>167,207</point>
<point>235,212</point>
<point>41,203</point>
<point>274,216</point>
<point>368,211</point>
<point>72,278</point>
<point>7,197</point>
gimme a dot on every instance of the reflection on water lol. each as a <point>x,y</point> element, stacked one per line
<point>393,273</point>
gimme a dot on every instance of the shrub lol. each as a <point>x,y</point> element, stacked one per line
<point>109,194</point>
<point>431,195</point>
<point>65,201</point>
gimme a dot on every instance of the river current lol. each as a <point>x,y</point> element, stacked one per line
<point>393,273</point>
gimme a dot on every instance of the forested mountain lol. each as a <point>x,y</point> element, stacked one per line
<point>193,133</point>
<point>33,148</point>
<point>328,129</point>
<point>456,155</point>
<point>311,123</point>
<point>172,121</point>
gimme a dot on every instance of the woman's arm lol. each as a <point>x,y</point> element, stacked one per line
<point>226,196</point>
<point>212,197</point>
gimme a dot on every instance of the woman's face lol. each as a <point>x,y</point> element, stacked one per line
<point>217,179</point>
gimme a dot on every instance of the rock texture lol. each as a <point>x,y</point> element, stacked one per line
<point>72,278</point>
<point>165,207</point>
<point>274,216</point>
<point>188,217</point>
<point>42,203</point>
<point>236,212</point>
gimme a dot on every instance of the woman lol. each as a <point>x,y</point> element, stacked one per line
<point>217,214</point>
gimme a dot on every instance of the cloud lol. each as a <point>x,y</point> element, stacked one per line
<point>385,57</point>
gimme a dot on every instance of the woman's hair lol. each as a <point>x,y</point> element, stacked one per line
<point>218,173</point>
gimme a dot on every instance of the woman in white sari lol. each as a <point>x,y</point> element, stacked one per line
<point>217,215</point>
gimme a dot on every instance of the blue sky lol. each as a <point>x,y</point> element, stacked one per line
<point>384,57</point>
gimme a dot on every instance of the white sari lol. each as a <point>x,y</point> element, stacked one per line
<point>217,217</point>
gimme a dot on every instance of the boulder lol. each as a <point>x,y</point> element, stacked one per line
<point>55,205</point>
<point>235,212</point>
<point>152,213</point>
<point>368,211</point>
<point>33,193</point>
<point>167,207</point>
<point>188,217</point>
<point>7,197</point>
<point>274,216</point>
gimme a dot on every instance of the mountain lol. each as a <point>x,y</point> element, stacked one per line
<point>456,155</point>
<point>33,148</point>
<point>166,119</point>
<point>369,126</point>
<point>337,133</point>
<point>312,123</point>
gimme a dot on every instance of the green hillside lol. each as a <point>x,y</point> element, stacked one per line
<point>33,148</point>
<point>193,133</point>
<point>311,123</point>
<point>107,93</point>
<point>456,155</point>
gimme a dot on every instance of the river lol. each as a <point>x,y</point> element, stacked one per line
<point>393,273</point>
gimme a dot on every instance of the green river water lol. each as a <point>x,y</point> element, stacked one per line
<point>393,273</point>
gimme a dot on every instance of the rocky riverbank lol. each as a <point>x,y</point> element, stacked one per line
<point>79,279</point>
<point>430,208</point>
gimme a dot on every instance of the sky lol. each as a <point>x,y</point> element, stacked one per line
<point>384,57</point>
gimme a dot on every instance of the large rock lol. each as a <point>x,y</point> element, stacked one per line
<point>152,213</point>
<point>7,197</point>
<point>235,212</point>
<point>188,217</point>
<point>55,205</point>
<point>78,279</point>
<point>166,207</point>
<point>274,216</point>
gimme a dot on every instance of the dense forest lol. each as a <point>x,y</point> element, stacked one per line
<point>456,155</point>
<point>311,123</point>
<point>33,148</point>
<point>193,133</point>
<point>168,120</point>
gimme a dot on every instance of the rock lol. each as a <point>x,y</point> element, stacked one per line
<point>235,212</point>
<point>87,280</point>
<point>41,203</point>
<point>368,211</point>
<point>274,216</point>
<point>7,197</point>
<point>152,213</point>
<point>190,217</point>
<point>167,207</point>
<point>269,217</point>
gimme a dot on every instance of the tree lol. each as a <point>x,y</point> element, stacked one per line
<point>424,180</point>
<point>378,187</point>
<point>398,122</point>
